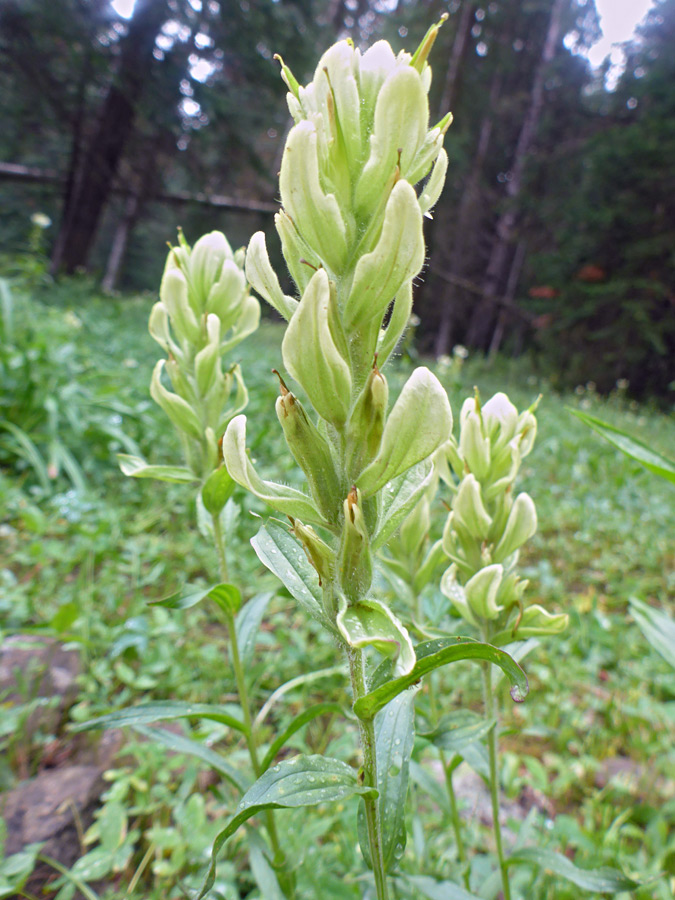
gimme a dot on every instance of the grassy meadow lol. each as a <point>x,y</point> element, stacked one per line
<point>588,762</point>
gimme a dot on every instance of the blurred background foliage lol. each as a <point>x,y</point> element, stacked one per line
<point>556,230</point>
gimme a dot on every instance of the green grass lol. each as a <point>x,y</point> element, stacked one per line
<point>84,564</point>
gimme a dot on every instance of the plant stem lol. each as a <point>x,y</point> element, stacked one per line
<point>456,821</point>
<point>220,548</point>
<point>450,788</point>
<point>367,736</point>
<point>493,751</point>
<point>245,703</point>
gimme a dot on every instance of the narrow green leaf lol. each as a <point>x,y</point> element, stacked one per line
<point>161,711</point>
<point>285,558</point>
<point>248,622</point>
<point>320,709</point>
<point>456,730</point>
<point>603,880</point>
<point>431,655</point>
<point>657,626</point>
<point>437,890</point>
<point>182,744</point>
<point>227,596</point>
<point>297,782</point>
<point>135,467</point>
<point>28,451</point>
<point>632,447</point>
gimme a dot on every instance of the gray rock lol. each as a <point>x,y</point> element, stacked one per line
<point>49,809</point>
<point>38,667</point>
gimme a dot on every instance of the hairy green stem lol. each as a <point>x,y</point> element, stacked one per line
<point>367,736</point>
<point>493,753</point>
<point>250,731</point>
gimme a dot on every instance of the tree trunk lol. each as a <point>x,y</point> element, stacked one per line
<point>440,226</point>
<point>457,55</point>
<point>483,316</point>
<point>118,248</point>
<point>509,299</point>
<point>93,180</point>
<point>467,213</point>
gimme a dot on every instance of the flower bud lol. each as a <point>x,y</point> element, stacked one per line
<point>207,361</point>
<point>500,418</point>
<point>286,499</point>
<point>366,422</point>
<point>206,262</point>
<point>316,214</point>
<point>535,620</point>
<point>432,189</point>
<point>320,555</point>
<point>217,490</point>
<point>355,565</point>
<point>527,432</point>
<point>226,296</point>
<point>312,357</point>
<point>173,293</point>
<point>399,128</point>
<point>453,590</point>
<point>181,413</point>
<point>158,326</point>
<point>399,319</point>
<point>415,529</point>
<point>311,452</point>
<point>520,526</point>
<point>397,257</point>
<point>481,592</point>
<point>469,511</point>
<point>301,260</point>
<point>474,446</point>
<point>263,278</point>
<point>419,422</point>
<point>248,321</point>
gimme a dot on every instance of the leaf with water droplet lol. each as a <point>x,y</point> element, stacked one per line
<point>429,657</point>
<point>161,711</point>
<point>289,787</point>
<point>278,551</point>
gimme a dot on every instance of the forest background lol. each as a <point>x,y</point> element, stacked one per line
<point>555,232</point>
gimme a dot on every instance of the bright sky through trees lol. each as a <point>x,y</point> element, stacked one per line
<point>618,19</point>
